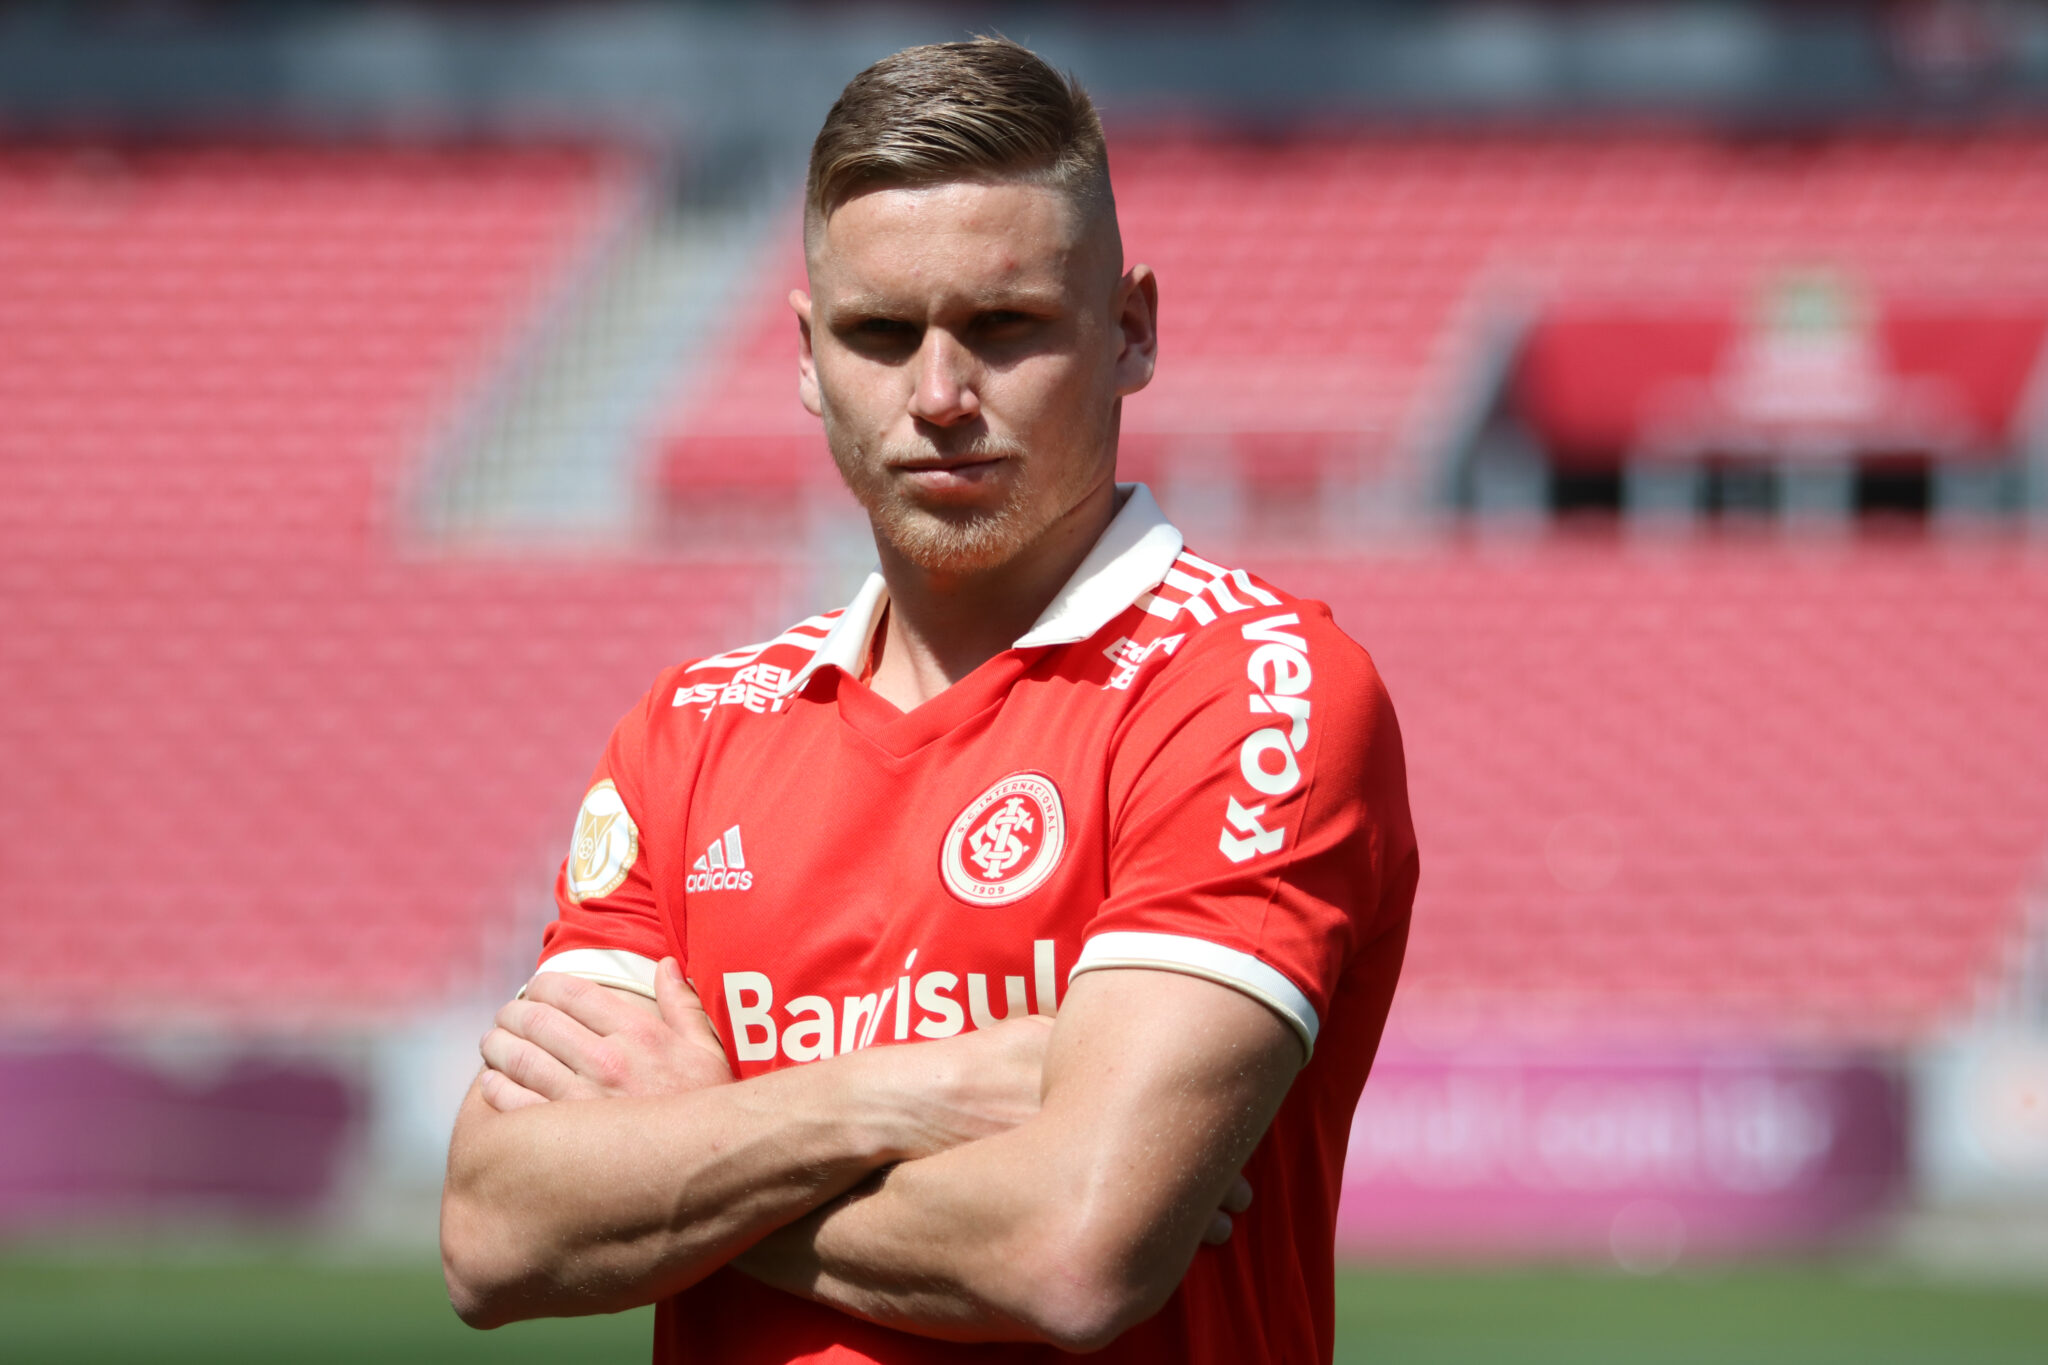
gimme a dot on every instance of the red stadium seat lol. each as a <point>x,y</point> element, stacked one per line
<point>270,770</point>
<point>1807,814</point>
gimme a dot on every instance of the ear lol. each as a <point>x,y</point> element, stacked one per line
<point>1137,320</point>
<point>806,358</point>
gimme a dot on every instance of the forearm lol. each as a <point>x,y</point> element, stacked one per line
<point>1080,1222</point>
<point>928,1246</point>
<point>592,1206</point>
<point>1021,1237</point>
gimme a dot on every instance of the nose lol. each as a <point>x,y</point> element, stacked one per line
<point>945,392</point>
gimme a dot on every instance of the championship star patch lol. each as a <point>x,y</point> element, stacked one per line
<point>605,846</point>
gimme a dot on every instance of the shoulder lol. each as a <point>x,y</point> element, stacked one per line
<point>1263,674</point>
<point>1237,627</point>
<point>756,678</point>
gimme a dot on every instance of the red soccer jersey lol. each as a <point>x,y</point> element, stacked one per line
<point>1178,767</point>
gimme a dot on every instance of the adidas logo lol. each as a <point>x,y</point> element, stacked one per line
<point>722,867</point>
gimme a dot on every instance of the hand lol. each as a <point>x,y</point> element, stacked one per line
<point>573,1039</point>
<point>1236,1199</point>
<point>971,1086</point>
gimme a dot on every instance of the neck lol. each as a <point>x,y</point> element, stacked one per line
<point>943,626</point>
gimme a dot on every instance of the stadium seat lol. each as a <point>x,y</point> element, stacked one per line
<point>1819,813</point>
<point>276,770</point>
<point>1325,283</point>
<point>269,769</point>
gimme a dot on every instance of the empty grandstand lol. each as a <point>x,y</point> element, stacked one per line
<point>1333,300</point>
<point>282,766</point>
<point>1760,784</point>
<point>1686,479</point>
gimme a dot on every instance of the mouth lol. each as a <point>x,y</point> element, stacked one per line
<point>948,473</point>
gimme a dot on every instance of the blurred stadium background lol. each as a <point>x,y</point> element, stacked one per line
<point>1659,391</point>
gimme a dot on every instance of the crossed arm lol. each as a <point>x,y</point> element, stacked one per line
<point>963,1189</point>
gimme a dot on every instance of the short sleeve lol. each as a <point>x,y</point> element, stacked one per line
<point>608,926</point>
<point>1259,808</point>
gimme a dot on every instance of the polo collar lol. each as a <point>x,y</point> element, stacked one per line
<point>1131,559</point>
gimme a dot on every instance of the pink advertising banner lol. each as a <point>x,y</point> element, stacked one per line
<point>1645,1156</point>
<point>88,1133</point>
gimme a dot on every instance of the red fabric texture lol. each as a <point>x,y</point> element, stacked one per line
<point>845,806</point>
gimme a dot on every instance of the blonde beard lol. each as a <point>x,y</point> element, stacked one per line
<point>962,541</point>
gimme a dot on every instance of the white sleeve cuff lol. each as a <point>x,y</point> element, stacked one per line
<point>607,967</point>
<point>1211,962</point>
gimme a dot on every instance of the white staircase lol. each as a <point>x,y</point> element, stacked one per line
<point>552,451</point>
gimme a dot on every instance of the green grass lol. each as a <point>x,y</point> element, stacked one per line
<point>1753,1315</point>
<point>76,1310</point>
<point>227,1312</point>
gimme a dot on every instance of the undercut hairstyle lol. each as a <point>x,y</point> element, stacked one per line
<point>958,111</point>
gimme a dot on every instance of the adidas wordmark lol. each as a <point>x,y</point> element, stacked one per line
<point>722,867</point>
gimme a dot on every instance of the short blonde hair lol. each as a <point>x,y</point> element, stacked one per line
<point>952,111</point>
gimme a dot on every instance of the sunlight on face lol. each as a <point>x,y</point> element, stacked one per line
<point>964,355</point>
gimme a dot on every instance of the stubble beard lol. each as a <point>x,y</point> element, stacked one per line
<point>952,540</point>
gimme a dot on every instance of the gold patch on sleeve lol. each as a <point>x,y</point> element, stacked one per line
<point>605,846</point>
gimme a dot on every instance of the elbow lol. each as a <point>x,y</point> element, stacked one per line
<point>482,1289</point>
<point>469,1294</point>
<point>1081,1324</point>
<point>1083,1318</point>
<point>1083,1292</point>
<point>470,1286</point>
<point>471,1302</point>
<point>471,1297</point>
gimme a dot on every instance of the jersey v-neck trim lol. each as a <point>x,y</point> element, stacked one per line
<point>900,733</point>
<point>1133,557</point>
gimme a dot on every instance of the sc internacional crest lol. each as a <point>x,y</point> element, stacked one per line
<point>1007,841</point>
<point>606,843</point>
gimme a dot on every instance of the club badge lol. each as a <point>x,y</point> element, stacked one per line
<point>1007,841</point>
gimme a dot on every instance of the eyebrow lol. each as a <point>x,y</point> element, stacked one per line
<point>1026,300</point>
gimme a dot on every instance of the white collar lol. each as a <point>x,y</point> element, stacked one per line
<point>1131,558</point>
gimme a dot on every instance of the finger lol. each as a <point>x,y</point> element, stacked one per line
<point>553,1032</point>
<point>1218,1231</point>
<point>683,1010</point>
<point>680,1007</point>
<point>1239,1197</point>
<point>597,1008</point>
<point>526,1065</point>
<point>504,1094</point>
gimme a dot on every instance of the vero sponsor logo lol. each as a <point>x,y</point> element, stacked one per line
<point>1280,675</point>
<point>722,867</point>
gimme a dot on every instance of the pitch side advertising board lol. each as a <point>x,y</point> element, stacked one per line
<point>1642,1155</point>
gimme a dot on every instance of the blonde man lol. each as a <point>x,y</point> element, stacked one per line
<point>951,968</point>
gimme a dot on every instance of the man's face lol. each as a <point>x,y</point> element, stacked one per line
<point>966,345</point>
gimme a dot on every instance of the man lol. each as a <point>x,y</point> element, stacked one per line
<point>1057,880</point>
